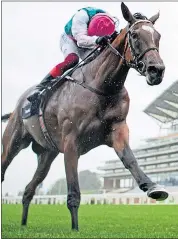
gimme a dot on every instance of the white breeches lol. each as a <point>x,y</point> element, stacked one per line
<point>67,46</point>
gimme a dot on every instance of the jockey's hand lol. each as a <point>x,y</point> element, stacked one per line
<point>102,41</point>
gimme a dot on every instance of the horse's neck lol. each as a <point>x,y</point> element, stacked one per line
<point>108,71</point>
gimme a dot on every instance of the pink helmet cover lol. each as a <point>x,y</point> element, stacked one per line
<point>101,25</point>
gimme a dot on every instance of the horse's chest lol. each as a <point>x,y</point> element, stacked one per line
<point>113,115</point>
<point>95,122</point>
<point>96,130</point>
<point>92,135</point>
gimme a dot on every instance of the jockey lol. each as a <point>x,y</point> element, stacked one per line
<point>85,30</point>
<point>79,38</point>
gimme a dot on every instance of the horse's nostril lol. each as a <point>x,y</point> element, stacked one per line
<point>152,69</point>
<point>157,69</point>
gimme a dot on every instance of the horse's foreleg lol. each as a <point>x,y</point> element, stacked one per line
<point>44,162</point>
<point>71,164</point>
<point>120,140</point>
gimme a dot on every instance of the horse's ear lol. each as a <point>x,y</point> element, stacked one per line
<point>127,14</point>
<point>154,18</point>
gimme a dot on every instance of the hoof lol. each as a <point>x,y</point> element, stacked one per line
<point>75,230</point>
<point>23,224</point>
<point>157,192</point>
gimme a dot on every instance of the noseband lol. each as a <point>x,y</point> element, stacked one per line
<point>137,62</point>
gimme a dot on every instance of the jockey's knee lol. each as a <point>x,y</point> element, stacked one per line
<point>72,59</point>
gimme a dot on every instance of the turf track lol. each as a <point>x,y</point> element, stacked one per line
<point>95,221</point>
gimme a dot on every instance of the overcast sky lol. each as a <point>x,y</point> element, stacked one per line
<point>30,48</point>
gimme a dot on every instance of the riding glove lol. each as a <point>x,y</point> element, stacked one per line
<point>102,41</point>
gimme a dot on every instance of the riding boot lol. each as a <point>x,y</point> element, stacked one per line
<point>70,61</point>
<point>41,86</point>
<point>45,81</point>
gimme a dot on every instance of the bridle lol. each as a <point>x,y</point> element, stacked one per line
<point>136,61</point>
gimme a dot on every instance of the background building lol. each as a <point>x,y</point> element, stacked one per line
<point>158,157</point>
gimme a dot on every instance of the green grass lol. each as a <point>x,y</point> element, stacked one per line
<point>95,221</point>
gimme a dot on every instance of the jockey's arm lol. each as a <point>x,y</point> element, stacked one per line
<point>79,30</point>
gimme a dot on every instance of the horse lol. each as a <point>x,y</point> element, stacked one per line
<point>79,118</point>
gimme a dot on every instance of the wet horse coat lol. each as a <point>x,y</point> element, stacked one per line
<point>79,120</point>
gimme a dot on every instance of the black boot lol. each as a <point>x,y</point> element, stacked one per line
<point>43,84</point>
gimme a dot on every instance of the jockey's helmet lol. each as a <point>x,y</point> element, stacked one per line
<point>101,25</point>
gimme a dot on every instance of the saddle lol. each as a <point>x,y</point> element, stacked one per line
<point>32,107</point>
<point>37,108</point>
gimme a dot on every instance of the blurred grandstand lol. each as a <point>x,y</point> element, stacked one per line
<point>158,157</point>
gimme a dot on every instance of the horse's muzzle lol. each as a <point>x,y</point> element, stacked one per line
<point>155,74</point>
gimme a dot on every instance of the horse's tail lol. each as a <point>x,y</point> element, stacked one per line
<point>5,117</point>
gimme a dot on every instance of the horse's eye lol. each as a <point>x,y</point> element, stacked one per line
<point>134,35</point>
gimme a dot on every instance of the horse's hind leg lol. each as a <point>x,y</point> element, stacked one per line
<point>15,138</point>
<point>45,158</point>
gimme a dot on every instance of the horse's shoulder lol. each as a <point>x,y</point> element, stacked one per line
<point>123,96</point>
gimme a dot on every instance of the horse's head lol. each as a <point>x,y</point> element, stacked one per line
<point>143,42</point>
